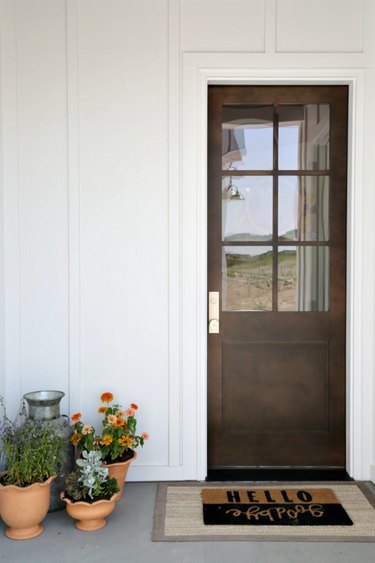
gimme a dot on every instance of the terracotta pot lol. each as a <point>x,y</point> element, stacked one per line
<point>90,516</point>
<point>23,508</point>
<point>119,470</point>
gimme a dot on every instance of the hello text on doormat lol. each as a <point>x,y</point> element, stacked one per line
<point>270,507</point>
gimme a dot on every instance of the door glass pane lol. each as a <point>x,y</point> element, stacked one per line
<point>247,138</point>
<point>247,208</point>
<point>247,278</point>
<point>304,137</point>
<point>303,208</point>
<point>303,276</point>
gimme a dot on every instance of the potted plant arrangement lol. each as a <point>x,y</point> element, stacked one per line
<point>90,493</point>
<point>32,452</point>
<point>118,440</point>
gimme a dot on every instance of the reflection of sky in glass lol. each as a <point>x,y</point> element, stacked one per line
<point>288,160</point>
<point>251,218</point>
<point>237,216</point>
<point>288,147</point>
<point>288,204</point>
<point>247,138</point>
<point>259,148</point>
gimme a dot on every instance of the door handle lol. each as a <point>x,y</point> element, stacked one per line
<point>213,312</point>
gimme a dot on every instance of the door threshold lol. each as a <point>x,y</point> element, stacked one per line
<point>278,474</point>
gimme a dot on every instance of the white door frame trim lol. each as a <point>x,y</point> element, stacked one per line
<point>194,232</point>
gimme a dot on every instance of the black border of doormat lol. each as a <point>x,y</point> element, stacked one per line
<point>158,533</point>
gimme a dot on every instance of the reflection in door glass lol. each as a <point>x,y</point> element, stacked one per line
<point>303,208</point>
<point>247,278</point>
<point>304,132</point>
<point>247,138</point>
<point>303,276</point>
<point>247,208</point>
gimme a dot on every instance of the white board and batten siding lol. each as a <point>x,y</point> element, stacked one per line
<point>102,250</point>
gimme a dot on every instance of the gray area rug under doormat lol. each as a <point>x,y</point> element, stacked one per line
<point>179,515</point>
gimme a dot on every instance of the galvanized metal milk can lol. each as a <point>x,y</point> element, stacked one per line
<point>45,406</point>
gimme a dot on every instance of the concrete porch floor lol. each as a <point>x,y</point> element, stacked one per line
<point>127,538</point>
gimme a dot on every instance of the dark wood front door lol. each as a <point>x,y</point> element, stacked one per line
<point>277,166</point>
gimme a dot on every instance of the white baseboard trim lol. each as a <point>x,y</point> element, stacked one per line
<point>372,473</point>
<point>139,473</point>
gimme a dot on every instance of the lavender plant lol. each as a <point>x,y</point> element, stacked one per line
<point>32,449</point>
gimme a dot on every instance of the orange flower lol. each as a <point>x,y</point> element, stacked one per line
<point>112,419</point>
<point>75,438</point>
<point>119,422</point>
<point>125,441</point>
<point>145,435</point>
<point>106,440</point>
<point>106,397</point>
<point>76,417</point>
<point>102,410</point>
<point>134,406</point>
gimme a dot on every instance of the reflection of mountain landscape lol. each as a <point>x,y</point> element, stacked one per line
<point>246,237</point>
<point>237,263</point>
<point>238,237</point>
<point>249,281</point>
<point>289,235</point>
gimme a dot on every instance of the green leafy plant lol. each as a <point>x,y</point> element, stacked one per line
<point>90,482</point>
<point>32,449</point>
<point>118,439</point>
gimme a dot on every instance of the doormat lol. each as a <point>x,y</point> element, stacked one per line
<point>273,507</point>
<point>179,514</point>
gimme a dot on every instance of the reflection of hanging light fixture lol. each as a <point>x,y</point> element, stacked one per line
<point>232,193</point>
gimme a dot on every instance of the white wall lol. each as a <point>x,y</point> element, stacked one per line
<point>35,195</point>
<point>101,285</point>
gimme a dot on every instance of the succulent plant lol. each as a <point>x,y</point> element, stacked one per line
<point>90,481</point>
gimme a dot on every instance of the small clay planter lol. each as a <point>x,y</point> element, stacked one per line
<point>90,516</point>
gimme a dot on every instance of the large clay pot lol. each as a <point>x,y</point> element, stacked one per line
<point>119,470</point>
<point>24,508</point>
<point>90,516</point>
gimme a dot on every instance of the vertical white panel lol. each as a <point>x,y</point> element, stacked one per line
<point>270,26</point>
<point>368,277</point>
<point>368,27</point>
<point>7,93</point>
<point>174,235</point>
<point>42,159</point>
<point>217,25</point>
<point>72,29</point>
<point>9,99</point>
<point>2,270</point>
<point>319,26</point>
<point>124,211</point>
